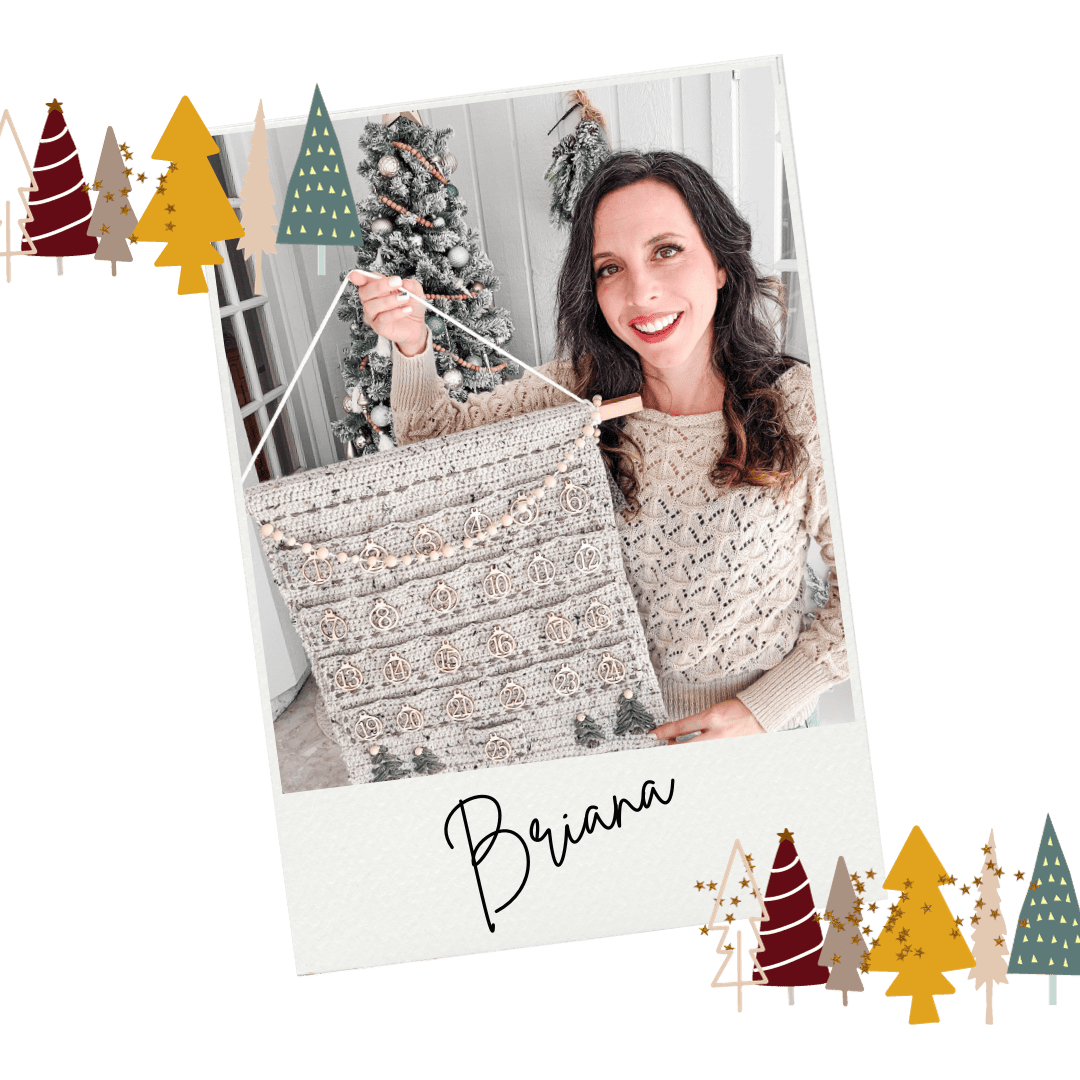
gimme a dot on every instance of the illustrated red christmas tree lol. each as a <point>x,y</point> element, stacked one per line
<point>113,220</point>
<point>921,938</point>
<point>257,202</point>
<point>190,209</point>
<point>61,204</point>
<point>988,944</point>
<point>791,934</point>
<point>1048,932</point>
<point>739,934</point>
<point>844,950</point>
<point>14,195</point>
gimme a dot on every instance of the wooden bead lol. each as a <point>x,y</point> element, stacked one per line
<point>597,400</point>
<point>374,749</point>
<point>342,556</point>
<point>355,560</point>
<point>406,560</point>
<point>372,560</point>
<point>549,481</point>
<point>421,558</point>
<point>580,717</point>
<point>530,500</point>
<point>562,466</point>
<point>538,493</point>
<point>579,442</point>
<point>594,417</point>
<point>391,561</point>
<point>506,521</point>
<point>628,694</point>
<point>307,549</point>
<point>323,553</point>
<point>433,555</point>
<point>586,431</point>
<point>266,530</point>
<point>278,535</point>
<point>418,750</point>
<point>492,529</point>
<point>569,455</point>
<point>467,542</point>
<point>448,550</point>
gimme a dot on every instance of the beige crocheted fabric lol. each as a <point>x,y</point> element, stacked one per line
<point>718,577</point>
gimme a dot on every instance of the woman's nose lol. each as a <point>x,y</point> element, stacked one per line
<point>642,285</point>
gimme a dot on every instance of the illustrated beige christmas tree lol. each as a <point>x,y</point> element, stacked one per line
<point>740,936</point>
<point>257,202</point>
<point>921,939</point>
<point>189,209</point>
<point>844,951</point>
<point>113,220</point>
<point>14,194</point>
<point>988,944</point>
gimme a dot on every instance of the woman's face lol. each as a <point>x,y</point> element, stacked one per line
<point>656,280</point>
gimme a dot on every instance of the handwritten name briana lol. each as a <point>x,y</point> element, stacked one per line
<point>482,847</point>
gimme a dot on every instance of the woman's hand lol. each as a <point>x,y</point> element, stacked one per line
<point>390,314</point>
<point>722,721</point>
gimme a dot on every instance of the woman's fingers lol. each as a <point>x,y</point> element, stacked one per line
<point>678,728</point>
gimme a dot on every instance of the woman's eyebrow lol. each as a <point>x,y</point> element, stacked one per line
<point>648,243</point>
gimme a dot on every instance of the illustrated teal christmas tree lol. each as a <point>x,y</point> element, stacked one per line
<point>414,226</point>
<point>319,207</point>
<point>1048,932</point>
<point>791,935</point>
<point>739,925</point>
<point>988,944</point>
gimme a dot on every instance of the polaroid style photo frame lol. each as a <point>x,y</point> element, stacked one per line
<point>526,831</point>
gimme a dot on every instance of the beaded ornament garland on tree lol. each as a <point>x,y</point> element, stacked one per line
<point>414,226</point>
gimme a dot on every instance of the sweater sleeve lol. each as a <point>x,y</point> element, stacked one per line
<point>422,408</point>
<point>819,657</point>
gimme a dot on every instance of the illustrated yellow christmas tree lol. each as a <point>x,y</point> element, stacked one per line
<point>190,209</point>
<point>921,938</point>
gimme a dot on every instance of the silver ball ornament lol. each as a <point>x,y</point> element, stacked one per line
<point>439,222</point>
<point>453,379</point>
<point>447,164</point>
<point>347,404</point>
<point>389,165</point>
<point>458,256</point>
<point>476,361</point>
<point>385,442</point>
<point>381,415</point>
<point>416,240</point>
<point>382,226</point>
<point>435,324</point>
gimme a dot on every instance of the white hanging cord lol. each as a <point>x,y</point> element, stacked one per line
<point>404,292</point>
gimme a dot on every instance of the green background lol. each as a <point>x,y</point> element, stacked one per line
<point>145,913</point>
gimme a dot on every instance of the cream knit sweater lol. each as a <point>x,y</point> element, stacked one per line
<point>718,577</point>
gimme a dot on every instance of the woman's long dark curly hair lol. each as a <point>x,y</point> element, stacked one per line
<point>761,449</point>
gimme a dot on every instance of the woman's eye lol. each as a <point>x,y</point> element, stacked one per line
<point>605,271</point>
<point>667,251</point>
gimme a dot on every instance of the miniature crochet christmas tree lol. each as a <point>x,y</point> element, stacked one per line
<point>385,766</point>
<point>989,939</point>
<point>319,206</point>
<point>1049,927</point>
<point>414,226</point>
<point>189,209</point>
<point>61,204</point>
<point>587,731</point>
<point>791,935</point>
<point>575,158</point>
<point>113,220</point>
<point>921,938</point>
<point>739,926</point>
<point>631,718</point>
<point>425,763</point>
<point>257,202</point>
<point>14,195</point>
<point>844,949</point>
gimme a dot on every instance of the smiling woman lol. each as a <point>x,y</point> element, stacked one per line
<point>721,477</point>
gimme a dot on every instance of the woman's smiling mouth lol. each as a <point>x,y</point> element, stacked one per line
<point>654,328</point>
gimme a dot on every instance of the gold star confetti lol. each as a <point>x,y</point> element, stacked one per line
<point>835,959</point>
<point>954,932</point>
<point>952,880</point>
<point>999,941</point>
<point>97,185</point>
<point>998,871</point>
<point>125,209</point>
<point>1024,923</point>
<point>785,835</point>
<point>872,907</point>
<point>1019,875</point>
<point>965,889</point>
<point>977,882</point>
<point>855,877</point>
<point>918,952</point>
<point>855,940</point>
<point>1033,886</point>
<point>128,171</point>
<point>828,915</point>
<point>104,229</point>
<point>870,874</point>
<point>908,883</point>
<point>173,166</point>
<point>169,226</point>
<point>705,930</point>
<point>123,148</point>
<point>875,943</point>
<point>133,238</point>
<point>943,879</point>
<point>859,887</point>
<point>160,189</point>
<point>141,177</point>
<point>170,209</point>
<point>54,105</point>
<point>958,921</point>
<point>729,917</point>
<point>816,916</point>
<point>994,914</point>
<point>865,929</point>
<point>744,883</point>
<point>125,191</point>
<point>900,955</point>
<point>980,903</point>
<point>925,908</point>
<point>163,177</point>
<point>735,900</point>
<point>85,187</point>
<point>108,196</point>
<point>729,948</point>
<point>699,886</point>
<point>986,849</point>
<point>903,896</point>
<point>974,920</point>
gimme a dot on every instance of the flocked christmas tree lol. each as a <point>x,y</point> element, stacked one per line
<point>319,207</point>
<point>414,226</point>
<point>189,209</point>
<point>425,762</point>
<point>61,204</point>
<point>587,731</point>
<point>844,950</point>
<point>740,939</point>
<point>988,934</point>
<point>113,220</point>
<point>921,938</point>
<point>575,158</point>
<point>1048,932</point>
<point>16,185</point>
<point>257,202</point>
<point>631,717</point>
<point>791,934</point>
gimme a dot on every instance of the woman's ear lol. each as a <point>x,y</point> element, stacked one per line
<point>721,278</point>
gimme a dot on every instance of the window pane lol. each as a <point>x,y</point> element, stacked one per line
<point>236,364</point>
<point>795,327</point>
<point>787,231</point>
<point>283,439</point>
<point>241,272</point>
<point>219,279</point>
<point>265,368</point>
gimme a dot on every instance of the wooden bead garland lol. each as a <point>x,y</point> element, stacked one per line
<point>408,213</point>
<point>423,160</point>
